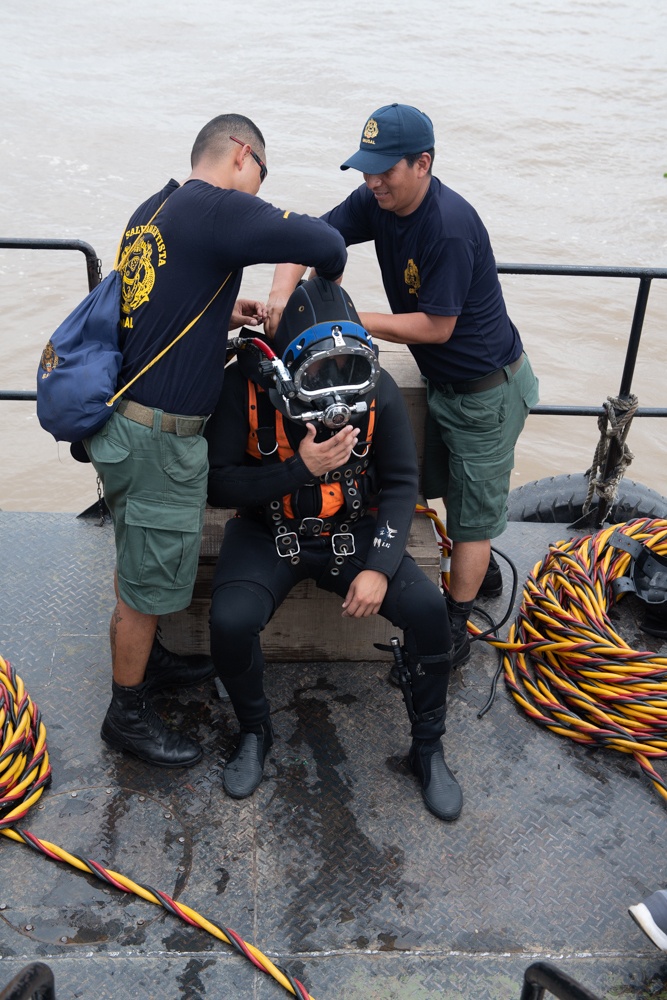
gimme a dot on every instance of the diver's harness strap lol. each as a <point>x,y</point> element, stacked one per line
<point>288,530</point>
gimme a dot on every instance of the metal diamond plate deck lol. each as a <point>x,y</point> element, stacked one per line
<point>333,869</point>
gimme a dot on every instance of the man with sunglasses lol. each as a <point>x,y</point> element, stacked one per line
<point>440,278</point>
<point>189,244</point>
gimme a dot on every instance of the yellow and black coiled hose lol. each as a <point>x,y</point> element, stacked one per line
<point>566,665</point>
<point>24,774</point>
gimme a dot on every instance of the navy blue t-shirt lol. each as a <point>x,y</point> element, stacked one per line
<point>200,237</point>
<point>438,260</point>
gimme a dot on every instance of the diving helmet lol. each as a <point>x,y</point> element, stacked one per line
<point>331,360</point>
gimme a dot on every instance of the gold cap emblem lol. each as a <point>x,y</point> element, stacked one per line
<point>371,129</point>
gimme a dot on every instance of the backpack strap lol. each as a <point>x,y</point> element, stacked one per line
<point>119,266</point>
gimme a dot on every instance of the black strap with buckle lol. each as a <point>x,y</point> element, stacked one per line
<point>287,545</point>
<point>287,531</point>
<point>342,543</point>
<point>311,527</point>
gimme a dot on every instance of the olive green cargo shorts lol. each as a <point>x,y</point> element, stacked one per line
<point>155,487</point>
<point>469,451</point>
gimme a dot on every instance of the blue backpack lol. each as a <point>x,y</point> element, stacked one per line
<point>78,372</point>
<point>79,367</point>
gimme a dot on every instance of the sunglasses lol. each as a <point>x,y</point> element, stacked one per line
<point>263,169</point>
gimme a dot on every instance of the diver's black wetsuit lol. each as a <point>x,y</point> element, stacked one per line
<point>252,579</point>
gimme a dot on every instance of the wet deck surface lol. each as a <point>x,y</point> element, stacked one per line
<point>334,869</point>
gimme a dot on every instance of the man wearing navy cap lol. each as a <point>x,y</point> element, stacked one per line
<point>441,281</point>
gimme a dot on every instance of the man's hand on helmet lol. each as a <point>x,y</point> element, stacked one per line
<point>321,457</point>
<point>275,305</point>
<point>285,280</point>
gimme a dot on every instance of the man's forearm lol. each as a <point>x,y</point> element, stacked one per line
<point>286,277</point>
<point>408,328</point>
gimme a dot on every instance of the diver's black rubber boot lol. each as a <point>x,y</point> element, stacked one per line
<point>244,769</point>
<point>492,584</point>
<point>426,700</point>
<point>166,669</point>
<point>132,724</point>
<point>440,789</point>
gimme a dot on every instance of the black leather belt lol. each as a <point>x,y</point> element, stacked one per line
<point>172,423</point>
<point>489,381</point>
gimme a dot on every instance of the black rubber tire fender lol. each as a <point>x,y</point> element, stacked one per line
<point>560,499</point>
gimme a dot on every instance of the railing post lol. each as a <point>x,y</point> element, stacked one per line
<point>615,450</point>
<point>635,336</point>
<point>541,976</point>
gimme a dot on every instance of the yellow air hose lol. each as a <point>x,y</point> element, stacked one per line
<point>24,774</point>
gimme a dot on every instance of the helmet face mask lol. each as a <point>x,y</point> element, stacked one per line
<point>334,369</point>
<point>337,369</point>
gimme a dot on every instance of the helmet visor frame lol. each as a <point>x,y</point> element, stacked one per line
<point>332,358</point>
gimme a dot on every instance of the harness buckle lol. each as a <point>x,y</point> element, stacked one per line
<point>287,544</point>
<point>342,543</point>
<point>311,527</point>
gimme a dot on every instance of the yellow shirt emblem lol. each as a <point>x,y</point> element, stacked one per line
<point>412,279</point>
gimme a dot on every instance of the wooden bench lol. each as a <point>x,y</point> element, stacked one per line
<point>309,625</point>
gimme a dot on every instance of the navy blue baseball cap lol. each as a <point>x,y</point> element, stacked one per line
<point>390,133</point>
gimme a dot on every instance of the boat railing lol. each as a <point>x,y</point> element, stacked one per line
<point>93,269</point>
<point>643,275</point>
<point>34,982</point>
<point>541,977</point>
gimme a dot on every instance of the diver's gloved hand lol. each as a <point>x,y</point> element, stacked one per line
<point>321,457</point>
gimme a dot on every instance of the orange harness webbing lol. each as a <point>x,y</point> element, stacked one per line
<point>332,496</point>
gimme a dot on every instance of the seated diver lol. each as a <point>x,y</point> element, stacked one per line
<point>303,457</point>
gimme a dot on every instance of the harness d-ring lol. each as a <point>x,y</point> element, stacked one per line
<point>272,452</point>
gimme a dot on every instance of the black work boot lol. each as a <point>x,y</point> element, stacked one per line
<point>458,612</point>
<point>492,584</point>
<point>244,769</point>
<point>440,789</point>
<point>132,724</point>
<point>166,669</point>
